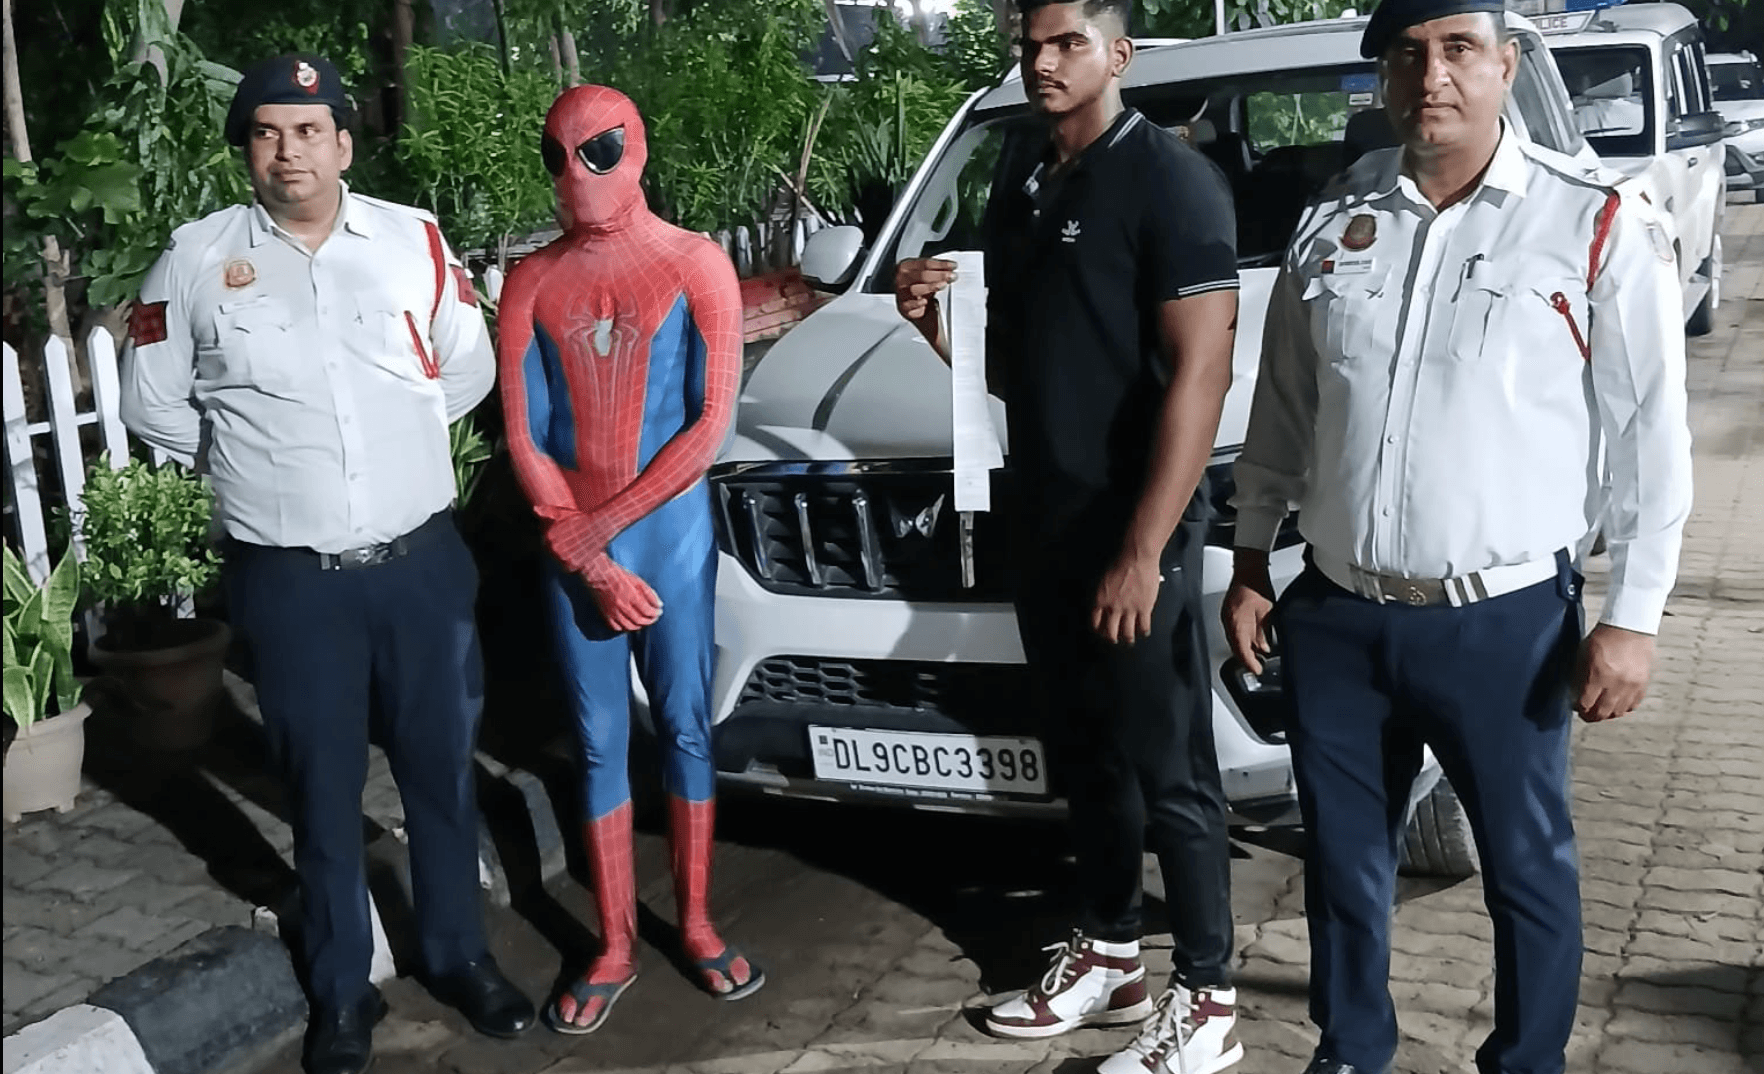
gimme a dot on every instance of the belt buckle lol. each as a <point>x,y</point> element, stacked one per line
<point>366,556</point>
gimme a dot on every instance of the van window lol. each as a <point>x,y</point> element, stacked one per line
<point>1737,80</point>
<point>1538,92</point>
<point>1610,87</point>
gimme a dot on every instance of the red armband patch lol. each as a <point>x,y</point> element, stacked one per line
<point>467,293</point>
<point>146,323</point>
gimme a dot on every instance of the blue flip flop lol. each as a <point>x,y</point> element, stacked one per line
<point>582,991</point>
<point>724,966</point>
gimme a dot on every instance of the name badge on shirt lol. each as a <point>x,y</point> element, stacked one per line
<point>1347,266</point>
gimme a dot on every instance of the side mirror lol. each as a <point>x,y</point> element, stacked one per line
<point>1689,132</point>
<point>831,255</point>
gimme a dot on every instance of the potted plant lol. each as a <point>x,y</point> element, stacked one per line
<point>42,768</point>
<point>148,553</point>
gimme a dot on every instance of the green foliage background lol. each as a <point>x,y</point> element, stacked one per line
<point>146,532</point>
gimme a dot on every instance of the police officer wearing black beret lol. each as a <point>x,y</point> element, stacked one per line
<point>1472,367</point>
<point>311,349</point>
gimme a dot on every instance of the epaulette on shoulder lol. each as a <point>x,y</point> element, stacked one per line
<point>196,234</point>
<point>1574,169</point>
<point>1360,176</point>
<point>396,207</point>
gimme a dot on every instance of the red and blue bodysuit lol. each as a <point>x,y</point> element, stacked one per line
<point>620,355</point>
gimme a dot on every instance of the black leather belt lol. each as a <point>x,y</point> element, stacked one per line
<point>372,555</point>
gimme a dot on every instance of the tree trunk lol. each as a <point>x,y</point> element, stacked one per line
<point>572,63</point>
<point>836,23</point>
<point>658,12</point>
<point>403,36</point>
<point>556,54</point>
<point>502,34</point>
<point>56,263</point>
<point>1008,27</point>
<point>141,51</point>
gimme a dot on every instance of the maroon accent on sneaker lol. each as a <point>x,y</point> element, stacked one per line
<point>1205,1007</point>
<point>1127,995</point>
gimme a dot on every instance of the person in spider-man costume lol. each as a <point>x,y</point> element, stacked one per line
<point>620,352</point>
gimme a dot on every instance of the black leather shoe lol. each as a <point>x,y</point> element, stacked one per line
<point>494,1006</point>
<point>342,1041</point>
<point>1320,1065</point>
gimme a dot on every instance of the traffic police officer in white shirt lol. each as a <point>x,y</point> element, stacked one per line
<point>307,352</point>
<point>1473,364</point>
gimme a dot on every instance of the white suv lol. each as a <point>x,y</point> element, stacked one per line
<point>1738,82</point>
<point>1640,86</point>
<point>856,658</point>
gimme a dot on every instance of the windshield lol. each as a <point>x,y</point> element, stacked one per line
<point>1610,87</point>
<point>1278,136</point>
<point>1737,81</point>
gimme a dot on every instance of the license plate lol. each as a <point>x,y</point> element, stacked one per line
<point>977,765</point>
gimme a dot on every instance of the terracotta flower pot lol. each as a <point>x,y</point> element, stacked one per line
<point>174,690</point>
<point>43,766</point>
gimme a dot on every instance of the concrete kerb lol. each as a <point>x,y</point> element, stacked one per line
<point>228,1000</point>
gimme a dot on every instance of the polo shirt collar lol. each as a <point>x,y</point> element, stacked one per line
<point>1107,140</point>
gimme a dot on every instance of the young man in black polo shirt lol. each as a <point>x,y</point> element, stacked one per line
<point>1112,301</point>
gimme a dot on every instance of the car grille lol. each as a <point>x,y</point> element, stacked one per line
<point>861,530</point>
<point>983,698</point>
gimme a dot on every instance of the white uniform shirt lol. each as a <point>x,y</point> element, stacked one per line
<point>292,378</point>
<point>1424,403</point>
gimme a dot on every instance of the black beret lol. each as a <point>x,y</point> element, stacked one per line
<point>1394,16</point>
<point>299,78</point>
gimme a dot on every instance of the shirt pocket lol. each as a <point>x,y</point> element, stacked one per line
<point>397,341</point>
<point>256,346</point>
<point>1500,318</point>
<point>1344,314</point>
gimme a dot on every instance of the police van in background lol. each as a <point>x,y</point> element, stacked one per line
<point>1738,80</point>
<point>1639,81</point>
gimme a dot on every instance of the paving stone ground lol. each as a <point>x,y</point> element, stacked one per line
<point>156,851</point>
<point>883,935</point>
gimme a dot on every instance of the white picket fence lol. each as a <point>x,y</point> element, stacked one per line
<point>63,428</point>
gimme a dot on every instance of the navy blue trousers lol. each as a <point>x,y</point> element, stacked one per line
<point>1486,686</point>
<point>322,642</point>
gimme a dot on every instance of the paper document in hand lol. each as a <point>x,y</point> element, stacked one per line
<point>975,439</point>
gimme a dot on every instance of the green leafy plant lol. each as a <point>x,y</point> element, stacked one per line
<point>472,145</point>
<point>149,157</point>
<point>38,643</point>
<point>882,124</point>
<point>470,451</point>
<point>146,532</point>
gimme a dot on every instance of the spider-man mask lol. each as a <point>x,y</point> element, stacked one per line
<point>595,150</point>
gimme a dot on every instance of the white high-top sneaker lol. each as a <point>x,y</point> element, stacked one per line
<point>1089,983</point>
<point>1192,1033</point>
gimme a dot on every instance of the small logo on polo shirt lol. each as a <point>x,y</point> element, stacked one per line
<point>1069,233</point>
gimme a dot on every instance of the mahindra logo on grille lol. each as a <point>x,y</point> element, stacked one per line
<point>924,522</point>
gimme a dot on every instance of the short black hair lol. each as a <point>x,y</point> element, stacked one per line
<point>1119,9</point>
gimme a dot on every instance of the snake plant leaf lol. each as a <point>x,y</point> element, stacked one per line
<point>42,679</point>
<point>18,581</point>
<point>27,622</point>
<point>60,595</point>
<point>20,699</point>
